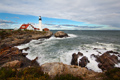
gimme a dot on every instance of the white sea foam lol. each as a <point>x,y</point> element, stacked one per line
<point>72,35</point>
<point>117,65</point>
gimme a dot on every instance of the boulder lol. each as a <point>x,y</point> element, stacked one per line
<point>83,61</point>
<point>56,68</point>
<point>107,61</point>
<point>60,34</point>
<point>13,64</point>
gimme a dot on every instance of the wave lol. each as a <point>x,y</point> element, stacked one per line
<point>70,36</point>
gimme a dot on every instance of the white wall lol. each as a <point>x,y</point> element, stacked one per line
<point>30,27</point>
<point>40,25</point>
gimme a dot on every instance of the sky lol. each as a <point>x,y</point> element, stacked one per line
<point>61,14</point>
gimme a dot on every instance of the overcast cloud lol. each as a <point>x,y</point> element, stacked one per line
<point>103,12</point>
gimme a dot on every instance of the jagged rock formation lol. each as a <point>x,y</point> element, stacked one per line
<point>108,61</point>
<point>12,56</point>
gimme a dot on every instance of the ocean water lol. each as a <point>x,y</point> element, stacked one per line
<point>61,49</point>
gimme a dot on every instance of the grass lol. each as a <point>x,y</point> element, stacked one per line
<point>5,33</point>
<point>113,74</point>
<point>67,77</point>
<point>33,73</point>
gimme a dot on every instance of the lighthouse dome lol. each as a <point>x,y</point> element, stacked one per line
<point>40,18</point>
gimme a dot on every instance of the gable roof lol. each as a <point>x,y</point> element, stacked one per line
<point>25,26</point>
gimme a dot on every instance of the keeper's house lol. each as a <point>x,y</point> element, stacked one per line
<point>28,27</point>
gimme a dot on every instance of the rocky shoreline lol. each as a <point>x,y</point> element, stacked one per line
<point>15,38</point>
<point>9,54</point>
<point>13,57</point>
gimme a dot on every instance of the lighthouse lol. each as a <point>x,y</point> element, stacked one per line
<point>40,23</point>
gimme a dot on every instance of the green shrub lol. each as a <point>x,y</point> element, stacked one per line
<point>33,73</point>
<point>113,74</point>
<point>5,33</point>
<point>6,73</point>
<point>67,77</point>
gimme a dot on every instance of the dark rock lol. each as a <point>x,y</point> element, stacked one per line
<point>11,54</point>
<point>99,52</point>
<point>93,55</point>
<point>118,55</point>
<point>107,61</point>
<point>79,53</point>
<point>25,49</point>
<point>60,34</point>
<point>95,48</point>
<point>34,60</point>
<point>24,54</point>
<point>83,61</point>
<point>74,59</point>
<point>112,52</point>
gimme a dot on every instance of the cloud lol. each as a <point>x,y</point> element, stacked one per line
<point>71,27</point>
<point>102,12</point>
<point>5,21</point>
<point>5,24</point>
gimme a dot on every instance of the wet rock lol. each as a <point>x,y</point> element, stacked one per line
<point>34,60</point>
<point>79,53</point>
<point>24,54</point>
<point>60,34</point>
<point>74,59</point>
<point>93,55</point>
<point>83,61</point>
<point>13,64</point>
<point>112,52</point>
<point>107,61</point>
<point>118,55</point>
<point>95,48</point>
<point>25,49</point>
<point>11,54</point>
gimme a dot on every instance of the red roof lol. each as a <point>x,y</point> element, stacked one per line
<point>45,29</point>
<point>24,26</point>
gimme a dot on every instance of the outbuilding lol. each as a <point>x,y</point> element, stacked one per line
<point>45,29</point>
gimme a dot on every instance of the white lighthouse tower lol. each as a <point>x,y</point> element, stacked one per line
<point>40,23</point>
